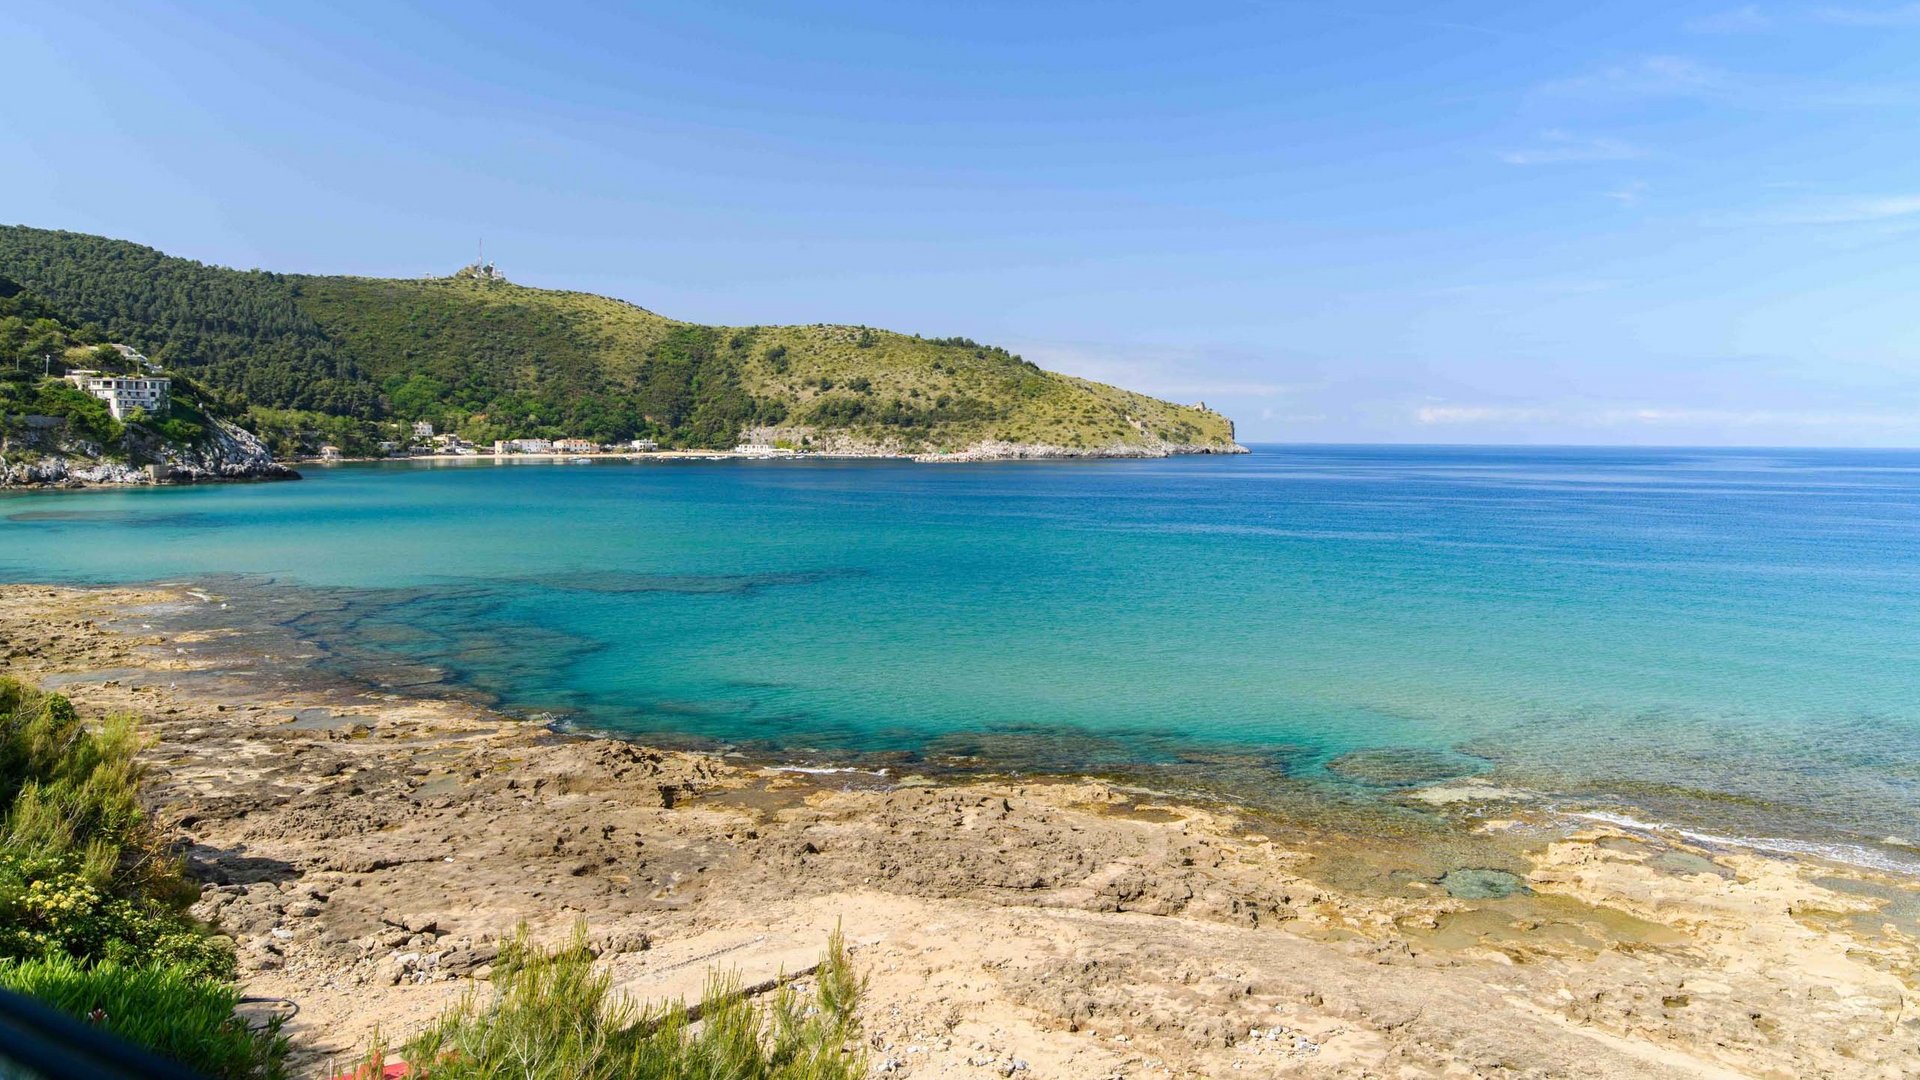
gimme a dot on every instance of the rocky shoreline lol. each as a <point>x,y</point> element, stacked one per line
<point>994,450</point>
<point>364,850</point>
<point>841,444</point>
<point>228,453</point>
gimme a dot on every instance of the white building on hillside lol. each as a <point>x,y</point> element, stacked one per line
<point>123,395</point>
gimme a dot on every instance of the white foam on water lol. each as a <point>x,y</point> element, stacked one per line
<point>1851,854</point>
<point>827,770</point>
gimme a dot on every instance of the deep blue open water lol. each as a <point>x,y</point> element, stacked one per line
<point>1727,637</point>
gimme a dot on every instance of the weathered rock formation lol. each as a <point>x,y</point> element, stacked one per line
<point>41,451</point>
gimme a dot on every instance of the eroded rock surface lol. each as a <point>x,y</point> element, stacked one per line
<point>366,853</point>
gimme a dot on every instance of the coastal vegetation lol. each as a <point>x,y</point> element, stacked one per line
<point>39,342</point>
<point>93,915</point>
<point>554,1016</point>
<point>94,922</point>
<point>343,360</point>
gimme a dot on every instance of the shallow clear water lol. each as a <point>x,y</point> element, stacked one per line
<point>1732,636</point>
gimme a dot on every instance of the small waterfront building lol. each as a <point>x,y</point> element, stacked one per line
<point>329,453</point>
<point>645,445</point>
<point>423,429</point>
<point>123,395</point>
<point>575,446</point>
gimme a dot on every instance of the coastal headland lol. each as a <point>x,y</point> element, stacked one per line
<point>332,366</point>
<point>364,851</point>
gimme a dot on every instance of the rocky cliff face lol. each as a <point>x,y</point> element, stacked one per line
<point>227,453</point>
<point>43,454</point>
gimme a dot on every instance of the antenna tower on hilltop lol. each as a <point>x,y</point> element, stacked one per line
<point>481,269</point>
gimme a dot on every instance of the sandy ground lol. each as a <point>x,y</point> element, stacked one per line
<point>365,850</point>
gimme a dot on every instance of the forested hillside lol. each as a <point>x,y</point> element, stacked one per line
<point>38,342</point>
<point>241,331</point>
<point>490,359</point>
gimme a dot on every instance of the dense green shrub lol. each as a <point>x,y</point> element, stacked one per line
<point>179,429</point>
<point>837,412</point>
<point>87,416</point>
<point>553,1016</point>
<point>81,873</point>
<point>51,906</point>
<point>173,1011</point>
<point>92,906</point>
<point>65,788</point>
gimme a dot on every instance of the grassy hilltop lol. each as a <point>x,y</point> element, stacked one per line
<point>491,359</point>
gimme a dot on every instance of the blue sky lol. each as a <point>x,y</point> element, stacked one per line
<point>1434,222</point>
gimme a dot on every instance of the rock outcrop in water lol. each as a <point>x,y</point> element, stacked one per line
<point>43,453</point>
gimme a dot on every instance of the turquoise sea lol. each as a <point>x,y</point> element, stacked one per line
<point>1729,639</point>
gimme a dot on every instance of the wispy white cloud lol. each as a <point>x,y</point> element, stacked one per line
<point>1650,76</point>
<point>1560,147</point>
<point>1847,211</point>
<point>1741,20</point>
<point>1481,414</point>
<point>1677,77</point>
<point>1627,194</point>
<point>1897,16</point>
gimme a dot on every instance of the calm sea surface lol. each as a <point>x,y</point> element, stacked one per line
<point>1726,638</point>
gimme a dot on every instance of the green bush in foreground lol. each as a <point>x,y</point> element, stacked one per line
<point>172,1010</point>
<point>553,1017</point>
<point>81,873</point>
<point>93,914</point>
<point>50,908</point>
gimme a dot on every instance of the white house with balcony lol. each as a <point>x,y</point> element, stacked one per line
<point>123,394</point>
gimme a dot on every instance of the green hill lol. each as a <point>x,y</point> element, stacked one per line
<point>490,359</point>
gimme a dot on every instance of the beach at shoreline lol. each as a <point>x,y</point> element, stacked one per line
<point>364,849</point>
